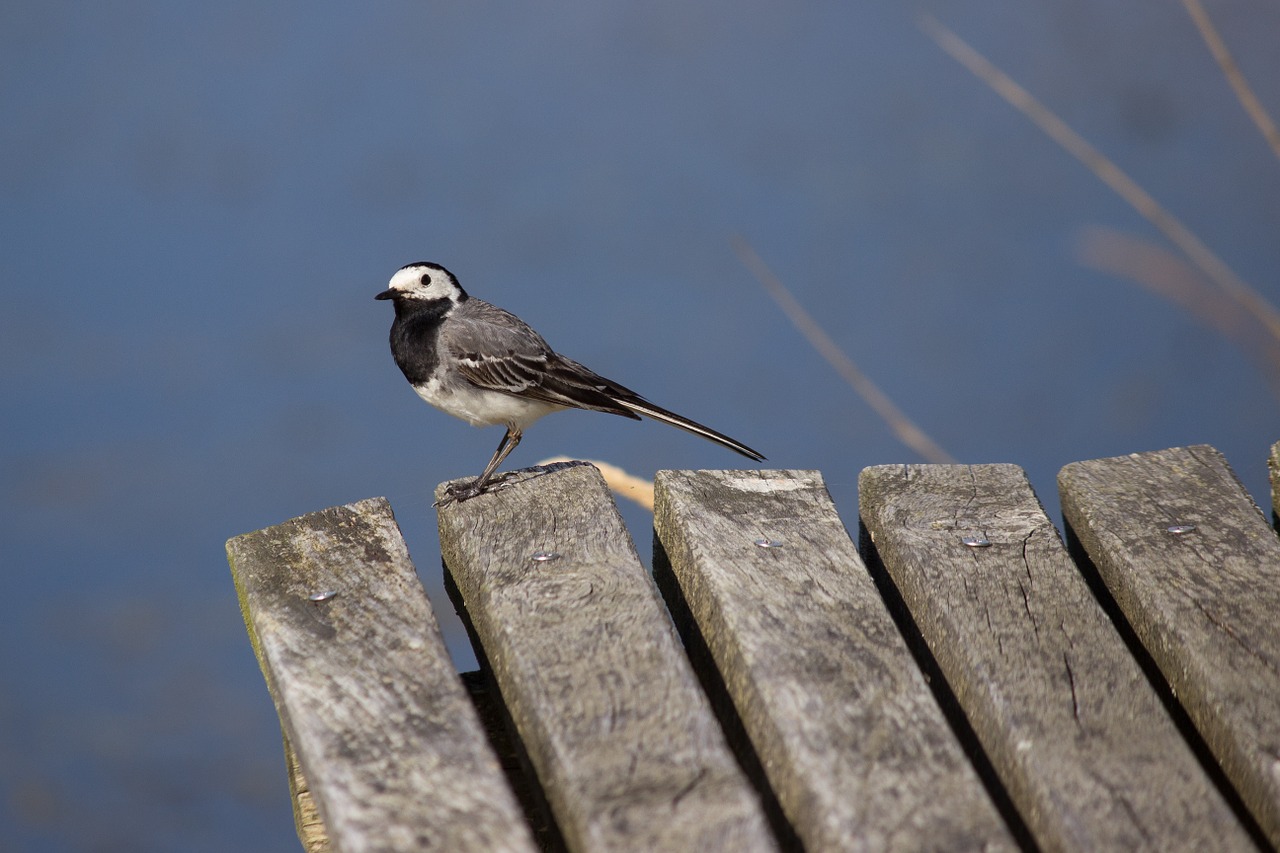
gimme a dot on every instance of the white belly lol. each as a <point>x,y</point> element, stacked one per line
<point>484,408</point>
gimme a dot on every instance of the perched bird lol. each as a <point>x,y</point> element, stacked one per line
<point>486,366</point>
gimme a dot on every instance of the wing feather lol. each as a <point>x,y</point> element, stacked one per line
<point>497,351</point>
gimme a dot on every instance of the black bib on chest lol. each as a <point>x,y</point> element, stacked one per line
<point>414,335</point>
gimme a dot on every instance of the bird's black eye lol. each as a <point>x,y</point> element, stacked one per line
<point>425,280</point>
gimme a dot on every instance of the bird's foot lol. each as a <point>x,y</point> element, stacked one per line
<point>459,492</point>
<point>465,491</point>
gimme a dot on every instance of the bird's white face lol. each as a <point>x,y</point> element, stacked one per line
<point>424,281</point>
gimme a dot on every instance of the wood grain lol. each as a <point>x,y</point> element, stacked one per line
<point>306,817</point>
<point>623,740</point>
<point>844,725</point>
<point>1273,467</point>
<point>366,693</point>
<point>1204,602</point>
<point>1079,738</point>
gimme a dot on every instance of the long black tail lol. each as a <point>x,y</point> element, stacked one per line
<point>649,410</point>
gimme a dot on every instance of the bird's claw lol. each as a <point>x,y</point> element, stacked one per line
<point>459,492</point>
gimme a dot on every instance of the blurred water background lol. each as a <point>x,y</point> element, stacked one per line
<point>199,202</point>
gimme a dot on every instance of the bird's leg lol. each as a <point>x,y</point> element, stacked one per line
<point>509,441</point>
<point>466,491</point>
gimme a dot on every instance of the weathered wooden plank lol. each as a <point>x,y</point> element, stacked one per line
<point>306,817</point>
<point>850,736</point>
<point>1204,601</point>
<point>623,740</point>
<point>366,693</point>
<point>1273,465</point>
<point>1079,738</point>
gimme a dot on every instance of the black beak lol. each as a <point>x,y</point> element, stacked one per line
<point>386,294</point>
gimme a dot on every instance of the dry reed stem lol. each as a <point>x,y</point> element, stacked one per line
<point>1209,263</point>
<point>906,431</point>
<point>1170,277</point>
<point>1244,93</point>
<point>629,486</point>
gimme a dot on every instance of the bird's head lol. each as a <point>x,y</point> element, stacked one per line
<point>423,282</point>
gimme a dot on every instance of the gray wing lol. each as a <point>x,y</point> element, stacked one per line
<point>497,351</point>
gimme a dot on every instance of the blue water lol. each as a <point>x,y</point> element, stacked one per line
<point>199,202</point>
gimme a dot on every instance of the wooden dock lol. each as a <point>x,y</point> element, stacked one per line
<point>957,678</point>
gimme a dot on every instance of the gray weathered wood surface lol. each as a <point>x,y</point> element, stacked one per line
<point>366,692</point>
<point>852,741</point>
<point>1205,602</point>
<point>626,746</point>
<point>1273,466</point>
<point>1076,733</point>
<point>306,817</point>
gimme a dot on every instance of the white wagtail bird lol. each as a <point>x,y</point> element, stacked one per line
<point>485,365</point>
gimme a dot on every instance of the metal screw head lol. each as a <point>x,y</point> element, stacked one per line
<point>544,556</point>
<point>1179,529</point>
<point>323,595</point>
<point>976,541</point>
<point>766,542</point>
